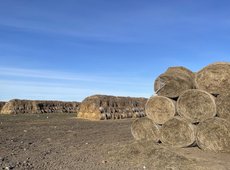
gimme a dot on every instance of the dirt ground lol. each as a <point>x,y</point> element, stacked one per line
<point>60,141</point>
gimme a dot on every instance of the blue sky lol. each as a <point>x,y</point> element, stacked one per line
<point>67,50</point>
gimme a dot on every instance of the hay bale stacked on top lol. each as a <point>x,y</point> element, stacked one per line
<point>185,110</point>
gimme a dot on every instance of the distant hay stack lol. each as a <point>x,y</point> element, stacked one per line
<point>214,78</point>
<point>145,129</point>
<point>223,106</point>
<point>177,132</point>
<point>196,105</point>
<point>214,135</point>
<point>102,107</point>
<point>174,81</point>
<point>160,109</point>
<point>17,106</point>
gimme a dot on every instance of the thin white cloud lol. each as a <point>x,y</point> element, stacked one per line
<point>57,75</point>
<point>58,91</point>
<point>55,85</point>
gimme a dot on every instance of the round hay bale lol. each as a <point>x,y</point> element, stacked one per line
<point>223,106</point>
<point>160,109</point>
<point>183,70</point>
<point>196,105</point>
<point>214,78</point>
<point>145,129</point>
<point>174,81</point>
<point>178,132</point>
<point>214,135</point>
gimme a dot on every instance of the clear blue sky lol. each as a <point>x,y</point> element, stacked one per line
<point>67,50</point>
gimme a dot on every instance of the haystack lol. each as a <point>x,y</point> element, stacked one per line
<point>214,78</point>
<point>17,106</point>
<point>174,81</point>
<point>196,105</point>
<point>214,135</point>
<point>223,106</point>
<point>99,107</point>
<point>160,109</point>
<point>177,132</point>
<point>145,129</point>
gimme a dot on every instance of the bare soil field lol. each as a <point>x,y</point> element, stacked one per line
<point>61,141</point>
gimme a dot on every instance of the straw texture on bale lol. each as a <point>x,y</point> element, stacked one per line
<point>196,105</point>
<point>223,106</point>
<point>214,78</point>
<point>214,135</point>
<point>160,109</point>
<point>177,132</point>
<point>1,105</point>
<point>102,107</point>
<point>174,81</point>
<point>145,129</point>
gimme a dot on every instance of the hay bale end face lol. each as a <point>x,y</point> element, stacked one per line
<point>214,78</point>
<point>214,135</point>
<point>223,106</point>
<point>174,81</point>
<point>196,105</point>
<point>102,107</point>
<point>145,129</point>
<point>178,132</point>
<point>160,109</point>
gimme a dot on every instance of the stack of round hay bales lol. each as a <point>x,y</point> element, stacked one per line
<point>189,109</point>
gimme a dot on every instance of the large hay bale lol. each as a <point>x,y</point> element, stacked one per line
<point>174,81</point>
<point>196,105</point>
<point>223,106</point>
<point>177,132</point>
<point>214,78</point>
<point>145,129</point>
<point>160,109</point>
<point>214,135</point>
<point>1,105</point>
<point>103,107</point>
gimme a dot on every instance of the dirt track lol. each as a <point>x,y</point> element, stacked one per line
<point>60,141</point>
